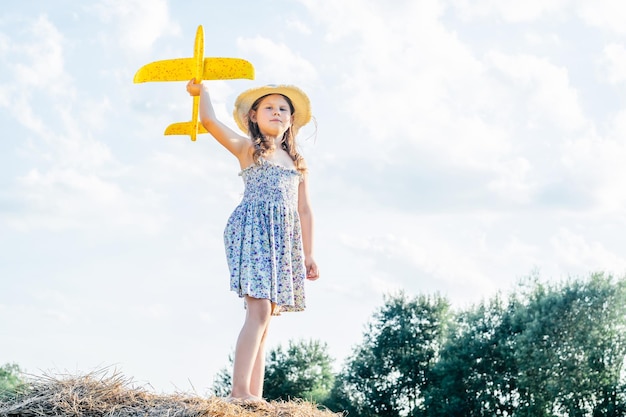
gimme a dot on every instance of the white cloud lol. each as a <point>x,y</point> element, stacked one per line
<point>60,311</point>
<point>538,39</point>
<point>383,285</point>
<point>44,65</point>
<point>37,74</point>
<point>69,179</point>
<point>617,131</point>
<point>155,312</point>
<point>608,15</point>
<point>139,23</point>
<point>508,10</point>
<point>4,43</point>
<point>73,145</point>
<point>277,61</point>
<point>66,199</point>
<point>544,88</point>
<point>299,26</point>
<point>597,165</point>
<point>341,18</point>
<point>476,143</point>
<point>515,248</point>
<point>423,95</point>
<point>418,254</point>
<point>615,62</point>
<point>576,252</point>
<point>20,108</point>
<point>402,81</point>
<point>513,182</point>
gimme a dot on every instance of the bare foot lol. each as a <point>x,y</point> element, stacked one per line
<point>248,399</point>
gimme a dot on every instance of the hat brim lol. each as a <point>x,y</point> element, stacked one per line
<point>300,101</point>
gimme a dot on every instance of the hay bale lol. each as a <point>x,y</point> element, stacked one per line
<point>101,394</point>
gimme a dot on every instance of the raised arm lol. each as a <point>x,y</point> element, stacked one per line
<point>236,144</point>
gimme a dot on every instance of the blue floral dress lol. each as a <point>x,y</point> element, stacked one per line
<point>263,238</point>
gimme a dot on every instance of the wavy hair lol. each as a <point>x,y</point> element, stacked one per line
<point>262,146</point>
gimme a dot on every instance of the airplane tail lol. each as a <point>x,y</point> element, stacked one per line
<point>185,128</point>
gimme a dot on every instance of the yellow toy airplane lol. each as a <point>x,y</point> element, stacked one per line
<point>200,68</point>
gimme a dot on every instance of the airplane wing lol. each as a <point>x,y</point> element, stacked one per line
<point>183,69</point>
<point>227,69</point>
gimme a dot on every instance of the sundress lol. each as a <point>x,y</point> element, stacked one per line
<point>263,238</point>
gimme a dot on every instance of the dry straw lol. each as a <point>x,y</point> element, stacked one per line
<point>111,395</point>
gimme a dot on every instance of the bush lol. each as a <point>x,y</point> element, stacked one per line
<point>11,381</point>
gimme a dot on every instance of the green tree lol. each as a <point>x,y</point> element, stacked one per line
<point>11,381</point>
<point>475,374</point>
<point>549,350</point>
<point>387,373</point>
<point>302,370</point>
<point>570,352</point>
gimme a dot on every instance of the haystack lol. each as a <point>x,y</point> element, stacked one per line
<point>112,395</point>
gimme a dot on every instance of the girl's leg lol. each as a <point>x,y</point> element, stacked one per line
<point>258,370</point>
<point>250,339</point>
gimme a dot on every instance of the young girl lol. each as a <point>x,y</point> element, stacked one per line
<point>269,235</point>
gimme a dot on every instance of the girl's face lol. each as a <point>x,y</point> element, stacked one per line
<point>273,115</point>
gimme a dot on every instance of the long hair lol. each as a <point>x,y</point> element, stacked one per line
<point>262,146</point>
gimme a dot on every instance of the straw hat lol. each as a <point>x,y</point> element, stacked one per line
<point>300,101</point>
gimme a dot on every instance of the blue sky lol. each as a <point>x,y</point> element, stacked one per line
<point>460,146</point>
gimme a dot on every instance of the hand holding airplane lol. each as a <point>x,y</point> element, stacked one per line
<point>200,68</point>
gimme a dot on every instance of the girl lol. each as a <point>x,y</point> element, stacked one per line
<point>269,236</point>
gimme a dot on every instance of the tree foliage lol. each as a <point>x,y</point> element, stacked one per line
<point>546,350</point>
<point>387,373</point>
<point>475,372</point>
<point>302,370</point>
<point>550,350</point>
<point>11,381</point>
<point>570,348</point>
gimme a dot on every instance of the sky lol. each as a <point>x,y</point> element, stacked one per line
<point>458,147</point>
